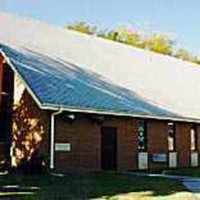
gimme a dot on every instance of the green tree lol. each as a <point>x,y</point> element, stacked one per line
<point>124,35</point>
<point>197,60</point>
<point>82,27</point>
<point>111,35</point>
<point>160,43</point>
<point>184,55</point>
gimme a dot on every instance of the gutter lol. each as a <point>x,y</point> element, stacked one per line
<point>52,140</point>
<point>120,114</point>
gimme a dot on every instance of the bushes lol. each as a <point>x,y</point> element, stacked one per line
<point>37,164</point>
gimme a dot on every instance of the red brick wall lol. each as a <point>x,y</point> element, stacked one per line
<point>85,138</point>
<point>30,129</point>
<point>24,133</point>
<point>183,144</point>
<point>126,141</point>
<point>157,142</point>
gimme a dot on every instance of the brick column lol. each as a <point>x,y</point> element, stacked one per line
<point>183,144</point>
<point>157,142</point>
<point>127,144</point>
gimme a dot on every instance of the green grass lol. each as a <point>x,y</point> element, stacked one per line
<point>107,186</point>
<point>193,172</point>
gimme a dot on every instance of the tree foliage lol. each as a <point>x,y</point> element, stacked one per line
<point>82,27</point>
<point>124,35</point>
<point>160,43</point>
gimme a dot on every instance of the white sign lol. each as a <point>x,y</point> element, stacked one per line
<point>172,159</point>
<point>143,160</point>
<point>63,147</point>
<point>194,159</point>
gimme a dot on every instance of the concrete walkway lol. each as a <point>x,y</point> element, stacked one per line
<point>191,183</point>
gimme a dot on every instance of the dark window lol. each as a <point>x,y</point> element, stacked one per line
<point>193,138</point>
<point>142,136</point>
<point>171,136</point>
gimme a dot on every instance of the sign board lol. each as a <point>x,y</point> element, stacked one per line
<point>194,159</point>
<point>172,159</point>
<point>143,160</point>
<point>62,147</point>
<point>159,157</point>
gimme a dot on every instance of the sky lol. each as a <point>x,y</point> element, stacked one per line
<point>178,18</point>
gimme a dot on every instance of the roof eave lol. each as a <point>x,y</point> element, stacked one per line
<point>118,114</point>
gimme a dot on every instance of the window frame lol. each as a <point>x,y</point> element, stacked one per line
<point>194,127</point>
<point>173,136</point>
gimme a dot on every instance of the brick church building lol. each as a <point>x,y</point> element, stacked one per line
<point>90,104</point>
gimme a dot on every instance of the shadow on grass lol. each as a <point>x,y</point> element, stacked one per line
<point>192,172</point>
<point>96,185</point>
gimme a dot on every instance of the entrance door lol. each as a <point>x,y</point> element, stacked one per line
<point>109,148</point>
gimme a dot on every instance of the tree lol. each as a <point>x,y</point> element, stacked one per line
<point>160,43</point>
<point>184,55</point>
<point>124,35</point>
<point>197,60</point>
<point>111,35</point>
<point>82,27</point>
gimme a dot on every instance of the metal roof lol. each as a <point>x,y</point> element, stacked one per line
<point>63,68</point>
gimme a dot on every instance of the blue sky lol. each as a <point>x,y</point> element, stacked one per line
<point>178,18</point>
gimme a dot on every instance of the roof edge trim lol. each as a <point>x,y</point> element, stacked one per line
<point>122,114</point>
<point>30,91</point>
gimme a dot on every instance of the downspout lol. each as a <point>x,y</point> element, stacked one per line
<point>53,137</point>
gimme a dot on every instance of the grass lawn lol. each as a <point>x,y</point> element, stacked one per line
<point>194,172</point>
<point>102,186</point>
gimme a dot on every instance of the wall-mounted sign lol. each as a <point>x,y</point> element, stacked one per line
<point>194,159</point>
<point>62,147</point>
<point>143,160</point>
<point>159,157</point>
<point>172,159</point>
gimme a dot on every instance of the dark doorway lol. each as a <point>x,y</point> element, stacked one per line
<point>109,148</point>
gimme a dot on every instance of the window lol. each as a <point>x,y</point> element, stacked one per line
<point>193,138</point>
<point>142,136</point>
<point>171,136</point>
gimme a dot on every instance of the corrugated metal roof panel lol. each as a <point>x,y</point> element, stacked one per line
<point>62,83</point>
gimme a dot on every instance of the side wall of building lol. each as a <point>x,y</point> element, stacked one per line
<point>183,144</point>
<point>84,136</point>
<point>157,142</point>
<point>30,132</point>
